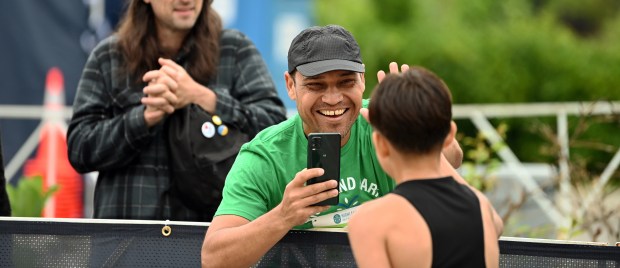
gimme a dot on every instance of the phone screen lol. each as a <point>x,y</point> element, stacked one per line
<point>324,152</point>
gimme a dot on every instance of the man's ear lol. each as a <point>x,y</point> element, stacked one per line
<point>450,137</point>
<point>290,86</point>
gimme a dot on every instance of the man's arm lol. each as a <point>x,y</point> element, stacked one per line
<point>245,93</point>
<point>233,241</point>
<point>99,131</point>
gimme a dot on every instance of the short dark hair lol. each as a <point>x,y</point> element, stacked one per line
<point>413,110</point>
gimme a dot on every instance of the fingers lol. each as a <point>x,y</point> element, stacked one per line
<point>171,72</point>
<point>321,196</point>
<point>312,192</point>
<point>404,68</point>
<point>170,63</point>
<point>182,84</point>
<point>380,75</point>
<point>364,113</point>
<point>298,202</point>
<point>159,96</point>
<point>161,76</point>
<point>315,188</point>
<point>151,76</point>
<point>158,103</point>
<point>168,81</point>
<point>171,68</point>
<point>393,68</point>
<point>161,91</point>
<point>304,175</point>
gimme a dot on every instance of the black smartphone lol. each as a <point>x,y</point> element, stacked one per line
<point>324,152</point>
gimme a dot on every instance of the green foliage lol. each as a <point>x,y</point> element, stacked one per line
<point>28,197</point>
<point>489,51</point>
<point>515,228</point>
<point>480,159</point>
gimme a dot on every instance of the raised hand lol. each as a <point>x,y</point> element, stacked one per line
<point>159,98</point>
<point>393,67</point>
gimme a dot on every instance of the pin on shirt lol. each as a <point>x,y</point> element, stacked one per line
<point>216,120</point>
<point>222,130</point>
<point>208,128</point>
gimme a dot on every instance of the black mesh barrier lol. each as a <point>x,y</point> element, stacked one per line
<point>71,244</point>
<point>535,254</point>
<point>102,243</point>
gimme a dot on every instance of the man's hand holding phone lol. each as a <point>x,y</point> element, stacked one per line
<point>298,202</point>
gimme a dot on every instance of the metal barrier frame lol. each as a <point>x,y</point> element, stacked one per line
<point>479,114</point>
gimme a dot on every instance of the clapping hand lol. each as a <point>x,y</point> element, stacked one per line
<point>159,98</point>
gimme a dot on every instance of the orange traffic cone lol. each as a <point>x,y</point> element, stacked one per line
<point>51,161</point>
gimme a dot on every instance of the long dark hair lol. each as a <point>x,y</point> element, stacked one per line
<point>140,48</point>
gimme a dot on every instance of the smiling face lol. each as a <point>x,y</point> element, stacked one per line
<point>328,102</point>
<point>175,15</point>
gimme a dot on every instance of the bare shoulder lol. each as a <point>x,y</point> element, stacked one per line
<point>391,224</point>
<point>380,206</point>
<point>385,215</point>
<point>360,221</point>
<point>375,215</point>
<point>407,230</point>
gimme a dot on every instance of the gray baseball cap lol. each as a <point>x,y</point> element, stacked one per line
<point>322,49</point>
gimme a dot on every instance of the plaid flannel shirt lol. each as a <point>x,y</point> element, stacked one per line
<point>108,134</point>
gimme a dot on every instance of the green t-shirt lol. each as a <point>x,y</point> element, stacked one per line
<point>267,163</point>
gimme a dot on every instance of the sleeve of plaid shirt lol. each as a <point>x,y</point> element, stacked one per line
<point>251,101</point>
<point>107,129</point>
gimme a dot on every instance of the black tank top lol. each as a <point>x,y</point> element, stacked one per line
<point>452,212</point>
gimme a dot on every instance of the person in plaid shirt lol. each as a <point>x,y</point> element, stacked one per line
<point>166,55</point>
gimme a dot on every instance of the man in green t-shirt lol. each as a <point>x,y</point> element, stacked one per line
<point>265,194</point>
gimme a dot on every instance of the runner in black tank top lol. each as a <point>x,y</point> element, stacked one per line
<point>453,225</point>
<point>452,212</point>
